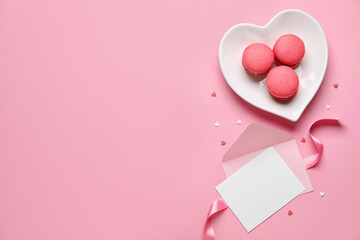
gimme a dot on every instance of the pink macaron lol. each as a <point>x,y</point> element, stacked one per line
<point>289,49</point>
<point>257,58</point>
<point>282,82</point>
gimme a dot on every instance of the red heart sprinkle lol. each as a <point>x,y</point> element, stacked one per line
<point>290,213</point>
<point>213,94</point>
<point>336,85</point>
<point>303,140</point>
<point>223,142</point>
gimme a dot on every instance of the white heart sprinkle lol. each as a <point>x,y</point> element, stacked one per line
<point>216,124</point>
<point>328,107</point>
<point>238,122</point>
<point>322,194</point>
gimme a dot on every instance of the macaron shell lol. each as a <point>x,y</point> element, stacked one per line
<point>289,49</point>
<point>282,82</point>
<point>278,63</point>
<point>252,73</point>
<point>284,99</point>
<point>257,58</point>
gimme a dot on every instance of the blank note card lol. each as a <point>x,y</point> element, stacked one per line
<point>260,188</point>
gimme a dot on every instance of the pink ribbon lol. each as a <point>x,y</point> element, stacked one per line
<point>216,207</point>
<point>312,160</point>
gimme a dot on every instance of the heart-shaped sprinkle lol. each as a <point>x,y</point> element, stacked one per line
<point>303,140</point>
<point>213,94</point>
<point>328,107</point>
<point>322,194</point>
<point>216,124</point>
<point>336,85</point>
<point>223,143</point>
<point>238,122</point>
<point>290,213</point>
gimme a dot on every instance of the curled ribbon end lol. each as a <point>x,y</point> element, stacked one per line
<point>216,207</point>
<point>311,161</point>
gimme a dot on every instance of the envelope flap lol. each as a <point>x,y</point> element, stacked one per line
<point>256,137</point>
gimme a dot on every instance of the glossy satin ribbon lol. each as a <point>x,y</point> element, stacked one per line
<point>220,205</point>
<point>216,207</point>
<point>312,160</point>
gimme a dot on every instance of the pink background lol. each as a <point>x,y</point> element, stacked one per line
<point>106,120</point>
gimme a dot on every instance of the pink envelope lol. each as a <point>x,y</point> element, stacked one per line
<point>254,140</point>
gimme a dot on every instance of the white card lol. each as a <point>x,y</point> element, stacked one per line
<point>260,188</point>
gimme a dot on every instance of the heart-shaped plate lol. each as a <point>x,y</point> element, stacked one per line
<point>311,70</point>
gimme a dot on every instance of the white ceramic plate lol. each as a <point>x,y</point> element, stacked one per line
<point>311,70</point>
